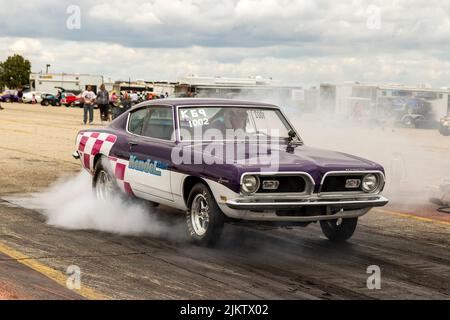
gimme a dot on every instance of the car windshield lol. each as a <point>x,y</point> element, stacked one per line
<point>226,123</point>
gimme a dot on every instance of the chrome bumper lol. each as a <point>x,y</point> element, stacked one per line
<point>260,204</point>
<point>263,210</point>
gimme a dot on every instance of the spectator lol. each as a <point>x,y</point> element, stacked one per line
<point>1,108</point>
<point>33,99</point>
<point>103,103</point>
<point>126,101</point>
<point>88,105</point>
<point>20,95</point>
<point>134,97</point>
<point>58,96</point>
<point>167,94</point>
<point>113,98</point>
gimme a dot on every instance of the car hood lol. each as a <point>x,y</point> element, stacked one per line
<point>245,158</point>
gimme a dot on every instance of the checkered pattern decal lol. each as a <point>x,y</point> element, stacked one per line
<point>119,167</point>
<point>89,144</point>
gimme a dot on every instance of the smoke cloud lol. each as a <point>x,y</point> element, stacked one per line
<point>71,204</point>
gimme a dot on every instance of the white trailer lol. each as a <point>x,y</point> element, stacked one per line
<point>49,82</point>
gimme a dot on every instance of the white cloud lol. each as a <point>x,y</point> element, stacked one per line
<point>141,14</point>
<point>303,41</point>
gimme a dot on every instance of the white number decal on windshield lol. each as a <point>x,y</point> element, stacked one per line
<point>198,122</point>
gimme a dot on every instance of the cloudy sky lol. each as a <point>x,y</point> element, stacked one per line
<point>303,42</point>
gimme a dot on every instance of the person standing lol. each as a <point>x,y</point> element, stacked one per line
<point>103,103</point>
<point>20,95</point>
<point>134,97</point>
<point>88,104</point>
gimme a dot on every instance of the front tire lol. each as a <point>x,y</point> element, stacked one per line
<point>339,230</point>
<point>204,218</point>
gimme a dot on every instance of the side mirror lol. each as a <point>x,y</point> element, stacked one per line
<point>292,135</point>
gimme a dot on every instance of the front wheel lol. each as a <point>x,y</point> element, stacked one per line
<point>204,218</point>
<point>339,230</point>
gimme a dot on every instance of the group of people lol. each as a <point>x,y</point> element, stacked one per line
<point>105,102</point>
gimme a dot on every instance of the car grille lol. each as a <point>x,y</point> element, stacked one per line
<point>287,184</point>
<point>337,183</point>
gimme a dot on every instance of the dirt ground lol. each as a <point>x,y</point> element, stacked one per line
<point>409,243</point>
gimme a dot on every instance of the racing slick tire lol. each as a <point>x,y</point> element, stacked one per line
<point>204,218</point>
<point>339,230</point>
<point>104,184</point>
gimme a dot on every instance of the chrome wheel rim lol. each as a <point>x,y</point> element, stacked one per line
<point>104,186</point>
<point>200,214</point>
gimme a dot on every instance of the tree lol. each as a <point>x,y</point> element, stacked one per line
<point>15,72</point>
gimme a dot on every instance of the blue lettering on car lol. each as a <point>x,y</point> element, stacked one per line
<point>149,166</point>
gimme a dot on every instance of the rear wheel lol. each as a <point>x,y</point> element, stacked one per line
<point>8,100</point>
<point>45,103</point>
<point>204,218</point>
<point>103,183</point>
<point>339,230</point>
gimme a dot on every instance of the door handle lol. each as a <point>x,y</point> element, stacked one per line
<point>132,144</point>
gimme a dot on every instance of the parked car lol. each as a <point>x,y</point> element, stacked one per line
<point>9,96</point>
<point>444,126</point>
<point>152,152</point>
<point>49,99</point>
<point>410,111</point>
<point>69,99</point>
<point>28,96</point>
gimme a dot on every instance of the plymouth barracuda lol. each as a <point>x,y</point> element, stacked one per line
<point>154,152</point>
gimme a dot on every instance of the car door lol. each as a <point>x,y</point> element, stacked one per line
<point>151,141</point>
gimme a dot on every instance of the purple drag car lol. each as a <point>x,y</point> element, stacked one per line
<point>228,161</point>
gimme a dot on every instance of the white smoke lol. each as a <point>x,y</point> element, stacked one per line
<point>71,204</point>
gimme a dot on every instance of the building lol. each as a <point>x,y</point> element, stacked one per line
<point>74,82</point>
<point>252,88</point>
<point>342,99</point>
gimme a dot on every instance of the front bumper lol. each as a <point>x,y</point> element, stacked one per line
<point>261,209</point>
<point>261,204</point>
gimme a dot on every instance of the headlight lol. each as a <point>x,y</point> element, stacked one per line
<point>250,184</point>
<point>370,183</point>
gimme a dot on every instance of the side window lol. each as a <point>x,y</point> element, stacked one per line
<point>159,123</point>
<point>137,121</point>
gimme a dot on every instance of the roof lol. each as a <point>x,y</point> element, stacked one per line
<point>208,102</point>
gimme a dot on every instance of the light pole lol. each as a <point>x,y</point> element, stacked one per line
<point>48,66</point>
